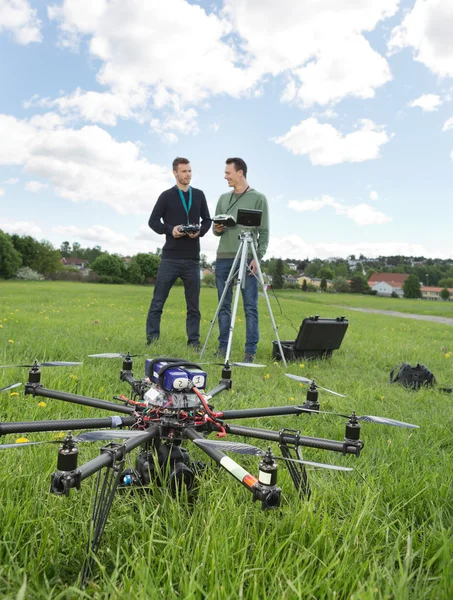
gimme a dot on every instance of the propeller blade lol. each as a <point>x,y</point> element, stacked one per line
<point>94,436</point>
<point>365,418</point>
<point>114,355</point>
<point>107,355</point>
<point>249,365</point>
<point>238,447</point>
<point>386,421</point>
<point>10,387</point>
<point>310,381</point>
<point>59,363</point>
<point>310,463</point>
<point>20,444</point>
<point>299,378</point>
<point>44,364</point>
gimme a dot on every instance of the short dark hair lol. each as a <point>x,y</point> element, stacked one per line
<point>179,161</point>
<point>239,164</point>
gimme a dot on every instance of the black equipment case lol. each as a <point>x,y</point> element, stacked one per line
<point>317,338</point>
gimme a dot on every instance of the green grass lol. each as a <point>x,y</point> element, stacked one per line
<point>383,531</point>
<point>418,307</point>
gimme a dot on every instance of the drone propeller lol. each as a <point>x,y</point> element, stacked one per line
<point>234,364</point>
<point>10,387</point>
<point>311,381</point>
<point>255,451</point>
<point>365,418</point>
<point>37,365</point>
<point>114,355</point>
<point>88,436</point>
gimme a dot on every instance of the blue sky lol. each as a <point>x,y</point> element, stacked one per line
<point>343,112</point>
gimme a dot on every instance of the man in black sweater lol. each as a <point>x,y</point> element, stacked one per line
<point>180,205</point>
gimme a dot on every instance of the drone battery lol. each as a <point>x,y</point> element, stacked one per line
<point>174,379</point>
<point>196,376</point>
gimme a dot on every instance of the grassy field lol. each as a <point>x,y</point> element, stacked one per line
<point>383,531</point>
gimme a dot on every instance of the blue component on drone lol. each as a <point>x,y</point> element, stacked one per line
<point>127,479</point>
<point>177,378</point>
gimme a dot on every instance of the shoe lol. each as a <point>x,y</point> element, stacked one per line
<point>151,340</point>
<point>249,358</point>
<point>220,352</point>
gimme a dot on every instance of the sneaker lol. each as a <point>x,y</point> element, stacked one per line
<point>151,340</point>
<point>220,352</point>
<point>249,358</point>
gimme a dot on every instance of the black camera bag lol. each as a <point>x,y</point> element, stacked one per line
<point>412,377</point>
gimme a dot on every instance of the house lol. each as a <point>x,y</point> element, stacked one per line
<point>433,293</point>
<point>77,263</point>
<point>385,284</point>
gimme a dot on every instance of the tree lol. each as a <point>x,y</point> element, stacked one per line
<point>304,285</point>
<point>39,256</point>
<point>446,282</point>
<point>445,294</point>
<point>148,263</point>
<point>108,264</point>
<point>204,264</point>
<point>341,269</point>
<point>323,284</point>
<point>358,284</point>
<point>277,279</point>
<point>65,249</point>
<point>133,273</point>
<point>340,284</point>
<point>325,273</point>
<point>75,249</point>
<point>10,259</point>
<point>411,287</point>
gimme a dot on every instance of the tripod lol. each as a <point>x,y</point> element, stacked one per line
<point>241,260</point>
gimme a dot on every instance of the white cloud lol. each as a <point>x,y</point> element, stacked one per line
<point>374,195</point>
<point>325,145</point>
<point>448,124</point>
<point>427,29</point>
<point>17,17</point>
<point>361,214</point>
<point>2,192</point>
<point>427,102</point>
<point>11,181</point>
<point>153,53</point>
<point>35,186</point>
<point>296,246</point>
<point>97,234</point>
<point>85,164</point>
<point>20,228</point>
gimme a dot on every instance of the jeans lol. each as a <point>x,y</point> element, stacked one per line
<point>169,271</point>
<point>250,300</point>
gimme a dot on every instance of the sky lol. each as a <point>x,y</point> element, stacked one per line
<point>343,112</point>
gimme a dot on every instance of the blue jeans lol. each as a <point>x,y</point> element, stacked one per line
<point>250,300</point>
<point>169,271</point>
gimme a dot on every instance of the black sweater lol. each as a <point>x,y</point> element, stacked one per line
<point>169,212</point>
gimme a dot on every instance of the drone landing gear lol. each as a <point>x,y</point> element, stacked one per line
<point>297,470</point>
<point>106,485</point>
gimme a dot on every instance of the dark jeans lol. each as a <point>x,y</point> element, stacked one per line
<point>169,271</point>
<point>250,300</point>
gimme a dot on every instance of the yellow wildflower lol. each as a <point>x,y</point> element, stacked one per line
<point>11,341</point>
<point>14,394</point>
<point>21,440</point>
<point>267,376</point>
<point>382,397</point>
<point>42,404</point>
<point>302,365</point>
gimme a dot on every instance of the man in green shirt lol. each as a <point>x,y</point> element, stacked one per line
<point>242,196</point>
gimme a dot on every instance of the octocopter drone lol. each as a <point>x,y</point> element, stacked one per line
<point>167,407</point>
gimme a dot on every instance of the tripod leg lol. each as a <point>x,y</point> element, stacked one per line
<point>231,276</point>
<point>241,276</point>
<point>259,276</point>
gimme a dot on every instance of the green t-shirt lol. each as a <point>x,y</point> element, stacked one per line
<point>229,240</point>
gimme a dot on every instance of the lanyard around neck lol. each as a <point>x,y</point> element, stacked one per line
<point>183,200</point>
<point>237,199</point>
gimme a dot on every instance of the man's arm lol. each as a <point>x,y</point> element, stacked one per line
<point>156,219</point>
<point>205,216</point>
<point>263,231</point>
<point>216,228</point>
